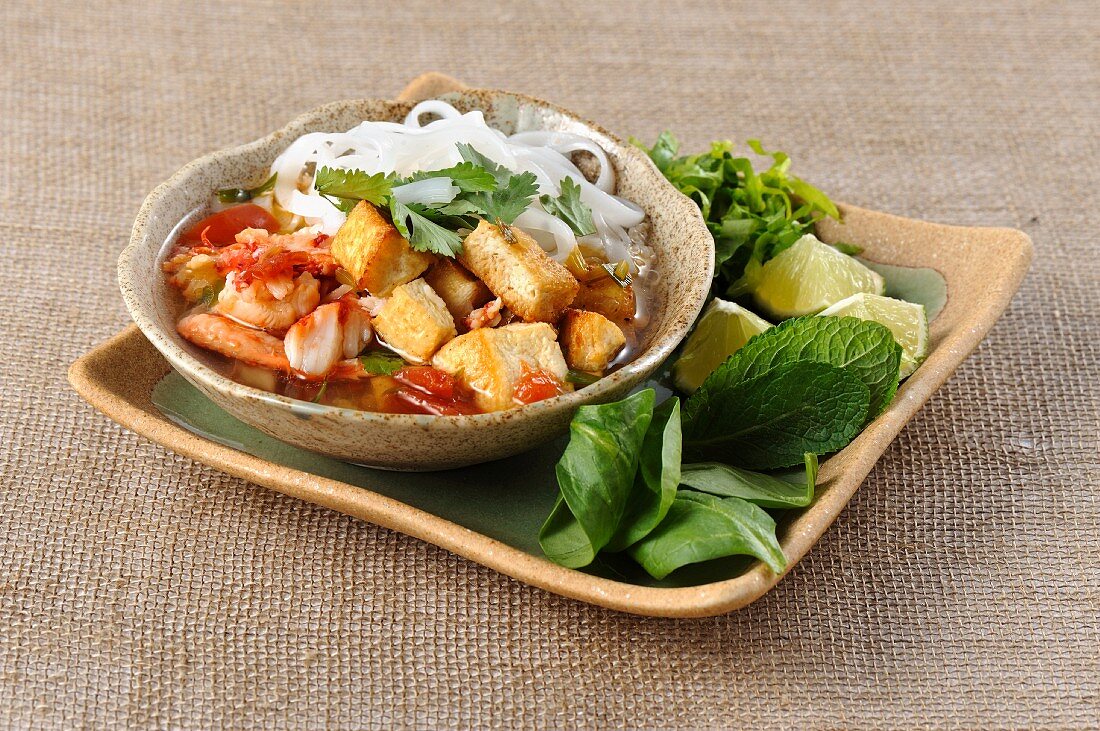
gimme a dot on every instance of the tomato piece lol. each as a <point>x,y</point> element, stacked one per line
<point>536,385</point>
<point>428,379</point>
<point>420,402</point>
<point>223,226</point>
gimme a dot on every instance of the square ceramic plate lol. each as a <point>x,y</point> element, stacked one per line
<point>127,379</point>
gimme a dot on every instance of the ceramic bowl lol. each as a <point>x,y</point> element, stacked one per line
<point>676,232</point>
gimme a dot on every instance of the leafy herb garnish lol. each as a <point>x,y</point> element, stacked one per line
<point>767,491</point>
<point>866,348</point>
<point>466,176</point>
<point>423,233</point>
<point>243,195</point>
<point>700,527</point>
<point>772,420</point>
<point>569,208</point>
<point>752,215</point>
<point>596,477</point>
<point>353,185</point>
<point>381,364</point>
<point>486,190</point>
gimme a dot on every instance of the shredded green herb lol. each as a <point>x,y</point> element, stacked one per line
<point>752,215</point>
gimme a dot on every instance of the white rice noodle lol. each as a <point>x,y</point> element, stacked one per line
<point>390,147</point>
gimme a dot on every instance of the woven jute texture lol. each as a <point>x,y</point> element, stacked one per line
<point>960,589</point>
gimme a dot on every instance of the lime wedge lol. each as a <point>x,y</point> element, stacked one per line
<point>906,320</point>
<point>722,330</point>
<point>810,276</point>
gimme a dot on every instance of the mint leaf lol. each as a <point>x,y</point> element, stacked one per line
<point>381,364</point>
<point>766,491</point>
<point>353,184</point>
<point>466,176</point>
<point>657,479</point>
<point>866,348</point>
<point>596,477</point>
<point>702,527</point>
<point>773,419</point>
<point>423,234</point>
<point>569,208</point>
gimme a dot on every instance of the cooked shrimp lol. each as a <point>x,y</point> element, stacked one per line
<point>234,340</point>
<point>257,305</point>
<point>317,342</point>
<point>485,316</point>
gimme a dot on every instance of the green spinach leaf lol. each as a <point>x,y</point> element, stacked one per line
<point>657,479</point>
<point>701,527</point>
<point>766,491</point>
<point>773,419</point>
<point>596,476</point>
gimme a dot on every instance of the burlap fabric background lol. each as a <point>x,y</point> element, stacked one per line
<point>960,589</point>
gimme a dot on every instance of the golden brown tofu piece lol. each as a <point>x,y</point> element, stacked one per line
<point>589,340</point>
<point>374,253</point>
<point>491,361</point>
<point>530,283</point>
<point>414,321</point>
<point>455,285</point>
<point>608,298</point>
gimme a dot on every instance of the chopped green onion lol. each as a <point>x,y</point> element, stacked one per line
<point>620,273</point>
<point>580,378</point>
<point>242,195</point>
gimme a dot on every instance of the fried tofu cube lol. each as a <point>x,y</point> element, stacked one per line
<point>491,361</point>
<point>529,282</point>
<point>374,253</point>
<point>414,321</point>
<point>461,290</point>
<point>608,298</point>
<point>589,340</point>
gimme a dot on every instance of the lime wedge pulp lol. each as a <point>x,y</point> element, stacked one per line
<point>720,332</point>
<point>907,320</point>
<point>810,276</point>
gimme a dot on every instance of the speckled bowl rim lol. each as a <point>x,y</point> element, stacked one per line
<point>646,362</point>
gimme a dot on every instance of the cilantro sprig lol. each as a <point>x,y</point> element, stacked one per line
<point>569,208</point>
<point>486,190</point>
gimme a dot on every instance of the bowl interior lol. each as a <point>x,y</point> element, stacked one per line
<point>683,249</point>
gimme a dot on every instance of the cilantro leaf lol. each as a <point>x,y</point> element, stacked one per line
<point>569,208</point>
<point>466,176</point>
<point>513,191</point>
<point>506,203</point>
<point>353,185</point>
<point>773,419</point>
<point>470,155</point>
<point>423,233</point>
